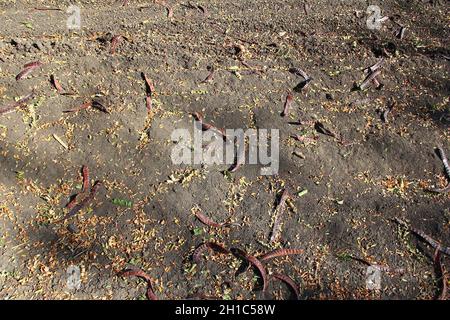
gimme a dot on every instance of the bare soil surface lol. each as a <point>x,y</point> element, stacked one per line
<point>355,187</point>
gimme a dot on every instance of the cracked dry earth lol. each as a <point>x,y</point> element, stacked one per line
<point>354,190</point>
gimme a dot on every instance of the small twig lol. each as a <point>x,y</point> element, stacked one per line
<point>306,7</point>
<point>380,267</point>
<point>321,129</point>
<point>48,9</point>
<point>369,79</point>
<point>376,66</point>
<point>60,141</point>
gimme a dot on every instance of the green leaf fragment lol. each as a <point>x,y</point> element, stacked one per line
<point>122,203</point>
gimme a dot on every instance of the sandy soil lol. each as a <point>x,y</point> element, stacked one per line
<point>382,170</point>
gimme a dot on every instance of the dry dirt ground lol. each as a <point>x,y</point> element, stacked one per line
<point>355,189</point>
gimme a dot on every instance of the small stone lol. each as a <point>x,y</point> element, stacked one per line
<point>72,228</point>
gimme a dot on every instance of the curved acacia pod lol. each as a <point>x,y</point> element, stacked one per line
<point>33,64</point>
<point>300,73</point>
<point>196,256</point>
<point>235,167</point>
<point>115,42</point>
<point>56,84</point>
<point>434,243</point>
<point>28,68</point>
<point>442,274</point>
<point>255,262</point>
<point>169,12</point>
<point>134,272</point>
<point>85,171</point>
<point>148,103</point>
<point>83,203</point>
<point>287,105</point>
<point>99,106</point>
<point>149,84</point>
<point>260,268</point>
<point>73,202</point>
<point>240,159</point>
<point>141,274</point>
<point>288,281</point>
<point>444,160</point>
<point>17,104</point>
<point>207,126</point>
<point>218,248</point>
<point>206,220</point>
<point>82,107</point>
<point>279,253</point>
<point>85,178</point>
<point>198,251</point>
<point>150,293</point>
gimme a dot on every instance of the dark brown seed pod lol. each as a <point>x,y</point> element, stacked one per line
<point>289,282</point>
<point>287,105</point>
<point>141,274</point>
<point>17,104</point>
<point>279,253</point>
<point>255,262</point>
<point>207,245</point>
